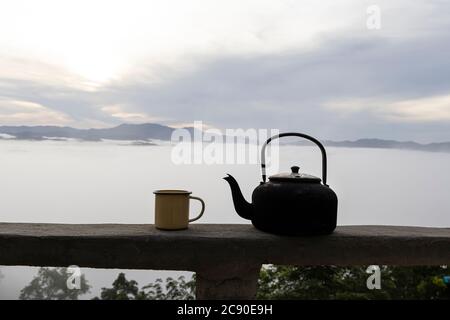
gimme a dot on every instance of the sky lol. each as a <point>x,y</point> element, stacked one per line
<point>309,66</point>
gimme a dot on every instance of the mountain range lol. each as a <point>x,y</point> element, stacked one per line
<point>122,132</point>
<point>152,131</point>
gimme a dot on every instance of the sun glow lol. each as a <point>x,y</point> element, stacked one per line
<point>87,39</point>
<point>99,41</point>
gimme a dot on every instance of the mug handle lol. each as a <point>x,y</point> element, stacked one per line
<point>201,212</point>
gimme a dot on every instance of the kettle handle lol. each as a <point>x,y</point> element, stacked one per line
<point>295,134</point>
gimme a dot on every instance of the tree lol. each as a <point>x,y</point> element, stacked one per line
<point>123,289</point>
<point>275,282</point>
<point>330,282</point>
<point>318,282</point>
<point>323,282</point>
<point>419,282</point>
<point>175,289</point>
<point>51,284</point>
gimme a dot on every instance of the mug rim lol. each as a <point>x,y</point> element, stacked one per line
<point>172,192</point>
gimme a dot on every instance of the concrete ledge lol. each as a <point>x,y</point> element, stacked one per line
<point>226,258</point>
<point>205,245</point>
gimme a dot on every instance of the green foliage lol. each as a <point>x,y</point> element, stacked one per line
<point>123,289</point>
<point>275,282</point>
<point>51,284</point>
<point>330,282</point>
<point>179,289</point>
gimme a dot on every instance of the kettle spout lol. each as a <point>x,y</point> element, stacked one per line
<point>242,207</point>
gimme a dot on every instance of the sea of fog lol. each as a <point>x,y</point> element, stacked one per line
<point>111,182</point>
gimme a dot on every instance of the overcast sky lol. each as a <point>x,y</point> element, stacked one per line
<point>309,66</point>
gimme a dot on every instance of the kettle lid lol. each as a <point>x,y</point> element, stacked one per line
<point>294,176</point>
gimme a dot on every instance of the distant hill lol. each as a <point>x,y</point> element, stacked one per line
<point>387,144</point>
<point>152,131</point>
<point>122,132</point>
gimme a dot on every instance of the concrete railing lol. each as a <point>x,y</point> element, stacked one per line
<point>226,258</point>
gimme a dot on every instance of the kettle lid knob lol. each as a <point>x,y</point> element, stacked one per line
<point>295,169</point>
<point>294,176</point>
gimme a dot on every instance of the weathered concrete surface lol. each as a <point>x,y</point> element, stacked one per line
<point>227,281</point>
<point>204,245</point>
<point>226,258</point>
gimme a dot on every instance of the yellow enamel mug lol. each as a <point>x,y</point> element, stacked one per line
<point>172,209</point>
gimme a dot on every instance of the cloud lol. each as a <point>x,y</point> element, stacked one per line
<point>16,112</point>
<point>423,110</point>
<point>290,90</point>
<point>118,112</point>
<point>101,40</point>
<point>346,83</point>
<point>426,109</point>
<point>22,68</point>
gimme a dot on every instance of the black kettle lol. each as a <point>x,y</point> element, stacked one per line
<point>289,203</point>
